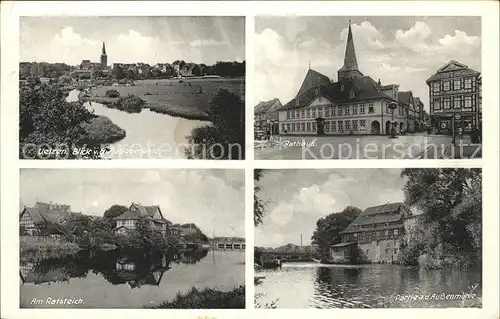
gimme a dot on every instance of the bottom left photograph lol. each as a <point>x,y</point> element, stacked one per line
<point>132,238</point>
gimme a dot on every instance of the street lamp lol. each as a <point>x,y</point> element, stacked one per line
<point>393,106</point>
<point>457,118</point>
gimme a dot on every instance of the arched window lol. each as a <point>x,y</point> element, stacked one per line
<point>297,102</point>
<point>317,91</point>
<point>342,88</point>
<point>351,95</point>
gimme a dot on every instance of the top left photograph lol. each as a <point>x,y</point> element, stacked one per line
<point>132,88</point>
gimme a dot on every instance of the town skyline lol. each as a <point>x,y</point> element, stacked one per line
<point>397,50</point>
<point>190,197</point>
<point>306,195</point>
<point>155,39</point>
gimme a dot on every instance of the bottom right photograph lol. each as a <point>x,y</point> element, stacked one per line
<point>368,238</point>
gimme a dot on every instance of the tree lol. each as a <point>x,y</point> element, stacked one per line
<point>225,137</point>
<point>328,228</point>
<point>258,204</point>
<point>114,211</point>
<point>118,73</point>
<point>451,202</point>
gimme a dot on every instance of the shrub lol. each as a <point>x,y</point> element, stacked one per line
<point>130,104</point>
<point>112,93</point>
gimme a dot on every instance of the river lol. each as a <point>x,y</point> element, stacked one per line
<point>307,285</point>
<point>114,280</point>
<point>149,135</point>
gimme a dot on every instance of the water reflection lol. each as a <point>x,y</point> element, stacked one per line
<point>134,268</point>
<point>366,286</point>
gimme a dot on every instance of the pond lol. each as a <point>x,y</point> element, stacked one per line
<point>149,135</point>
<point>126,280</point>
<point>308,285</point>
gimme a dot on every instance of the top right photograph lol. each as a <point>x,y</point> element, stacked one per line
<point>396,87</point>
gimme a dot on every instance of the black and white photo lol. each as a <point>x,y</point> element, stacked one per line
<point>368,87</point>
<point>132,238</point>
<point>368,238</point>
<point>132,87</point>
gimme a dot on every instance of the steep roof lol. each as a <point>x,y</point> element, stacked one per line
<point>405,97</point>
<point>136,211</point>
<point>364,88</point>
<point>387,213</point>
<point>311,80</point>
<point>48,212</point>
<point>267,106</point>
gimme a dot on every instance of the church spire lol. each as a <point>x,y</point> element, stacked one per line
<point>103,49</point>
<point>350,66</point>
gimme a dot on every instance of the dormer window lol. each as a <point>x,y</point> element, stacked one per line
<point>317,91</point>
<point>351,95</point>
<point>342,88</point>
<point>297,102</point>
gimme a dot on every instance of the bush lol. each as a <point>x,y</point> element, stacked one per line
<point>130,104</point>
<point>112,93</point>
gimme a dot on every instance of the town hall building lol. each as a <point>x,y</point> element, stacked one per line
<point>355,104</point>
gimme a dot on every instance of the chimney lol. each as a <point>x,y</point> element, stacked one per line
<point>379,84</point>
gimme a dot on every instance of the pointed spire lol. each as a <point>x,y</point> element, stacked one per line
<point>309,65</point>
<point>350,61</point>
<point>103,49</point>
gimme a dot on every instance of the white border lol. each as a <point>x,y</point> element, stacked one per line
<point>489,11</point>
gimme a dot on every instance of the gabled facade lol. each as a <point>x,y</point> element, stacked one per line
<point>128,220</point>
<point>455,89</point>
<point>405,98</point>
<point>355,104</point>
<point>266,116</point>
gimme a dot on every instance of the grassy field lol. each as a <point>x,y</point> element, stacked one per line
<point>189,99</point>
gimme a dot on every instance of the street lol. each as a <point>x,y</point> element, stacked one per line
<point>356,147</point>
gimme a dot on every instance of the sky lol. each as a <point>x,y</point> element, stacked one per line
<point>209,198</point>
<point>396,50</point>
<point>296,199</point>
<point>132,39</point>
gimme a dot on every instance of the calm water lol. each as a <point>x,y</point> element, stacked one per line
<point>145,131</point>
<point>114,280</point>
<point>335,286</point>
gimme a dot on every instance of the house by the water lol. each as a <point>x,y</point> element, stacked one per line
<point>128,219</point>
<point>375,235</point>
<point>33,219</point>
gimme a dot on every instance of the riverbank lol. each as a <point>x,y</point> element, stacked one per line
<point>207,298</point>
<point>47,248</point>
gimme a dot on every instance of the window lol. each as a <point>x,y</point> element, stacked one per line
<point>302,114</point>
<point>320,112</point>
<point>287,115</point>
<point>386,234</point>
<point>327,111</point>
<point>446,103</point>
<point>339,110</point>
<point>309,126</point>
<point>288,127</point>
<point>308,113</point>
<point>446,85</point>
<point>347,109</point>
<point>456,102</point>
<point>314,126</point>
<point>355,235</point>
<point>370,108</point>
<point>314,113</point>
<point>362,109</point>
<point>457,84</point>
<point>327,126</point>
<point>396,232</point>
<point>342,88</point>
<point>351,95</point>
<point>303,126</point>
<point>298,114</point>
<point>297,102</point>
<point>334,126</point>
<point>468,102</point>
<point>362,125</point>
<point>354,110</point>
<point>340,126</point>
<point>435,87</point>
<point>354,125</point>
<point>293,127</point>
<point>334,111</point>
<point>293,115</point>
<point>283,127</point>
<point>468,83</point>
<point>347,125</point>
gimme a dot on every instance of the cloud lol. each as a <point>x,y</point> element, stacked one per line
<point>413,37</point>
<point>366,35</point>
<point>207,42</point>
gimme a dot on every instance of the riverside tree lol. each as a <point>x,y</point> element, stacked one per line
<point>225,137</point>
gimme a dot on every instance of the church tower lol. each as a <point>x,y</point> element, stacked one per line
<point>104,57</point>
<point>350,68</point>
